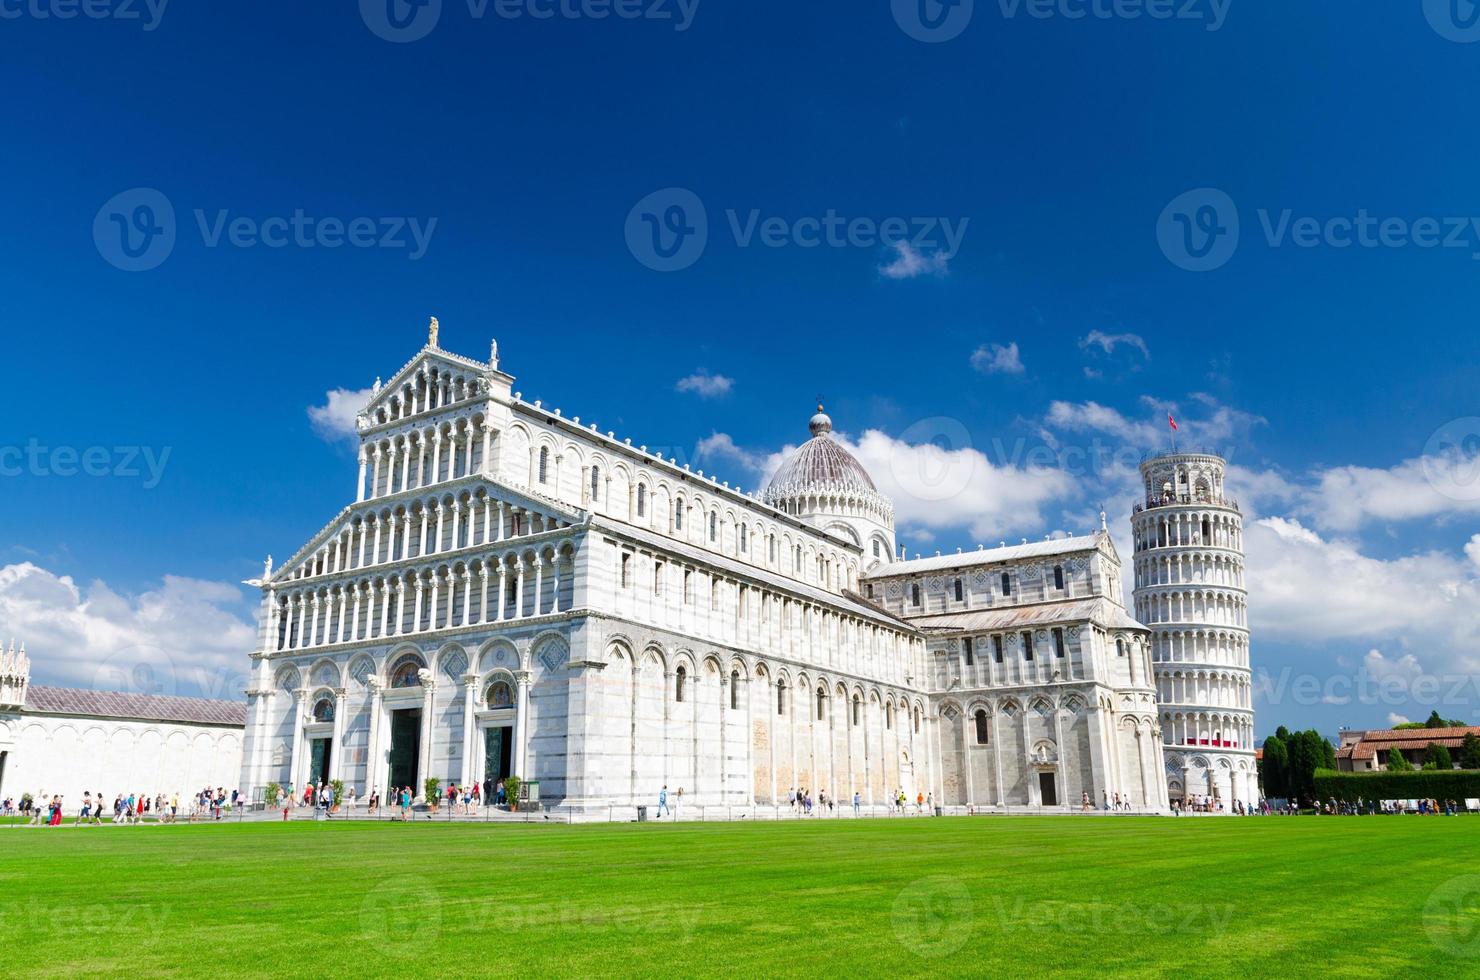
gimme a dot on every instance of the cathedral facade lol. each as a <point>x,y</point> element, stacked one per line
<point>514,591</point>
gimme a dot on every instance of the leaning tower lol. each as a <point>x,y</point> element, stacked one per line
<point>1189,589</point>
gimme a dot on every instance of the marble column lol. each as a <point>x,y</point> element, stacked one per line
<point>470,696</point>
<point>521,724</point>
<point>336,755</point>
<point>295,765</point>
<point>424,762</point>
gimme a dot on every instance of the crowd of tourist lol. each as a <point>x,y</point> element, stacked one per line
<point>1427,808</point>
<point>48,810</point>
<point>802,802</point>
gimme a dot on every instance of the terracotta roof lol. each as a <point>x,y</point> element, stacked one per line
<point>1378,742</point>
<point>143,707</point>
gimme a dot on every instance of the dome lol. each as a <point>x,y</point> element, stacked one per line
<point>819,465</point>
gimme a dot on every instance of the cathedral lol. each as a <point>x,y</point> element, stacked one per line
<point>514,591</point>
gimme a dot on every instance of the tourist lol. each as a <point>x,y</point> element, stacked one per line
<point>856,801</point>
<point>662,800</point>
<point>499,795</point>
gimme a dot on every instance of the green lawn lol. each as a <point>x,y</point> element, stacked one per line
<point>1372,896</point>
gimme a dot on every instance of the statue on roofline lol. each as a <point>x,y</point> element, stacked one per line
<point>432,329</point>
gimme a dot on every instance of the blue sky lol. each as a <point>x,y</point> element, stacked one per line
<point>1062,149</point>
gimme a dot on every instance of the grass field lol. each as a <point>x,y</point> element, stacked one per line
<point>1147,896</point>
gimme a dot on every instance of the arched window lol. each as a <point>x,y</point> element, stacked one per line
<point>821,704</point>
<point>857,711</point>
<point>915,594</point>
<point>1119,647</point>
<point>917,721</point>
<point>734,690</point>
<point>323,709</point>
<point>1006,584</point>
<point>595,483</point>
<point>500,695</point>
<point>544,463</point>
<point>678,515</point>
<point>781,697</point>
<point>744,537</point>
<point>642,500</point>
<point>713,525</point>
<point>981,727</point>
<point>889,716</point>
<point>1058,577</point>
<point>960,591</point>
<point>678,687</point>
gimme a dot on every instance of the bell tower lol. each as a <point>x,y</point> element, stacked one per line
<point>1189,588</point>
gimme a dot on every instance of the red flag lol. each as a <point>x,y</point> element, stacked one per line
<point>1172,422</point>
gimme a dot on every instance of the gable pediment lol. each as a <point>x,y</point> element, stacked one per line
<point>493,489</point>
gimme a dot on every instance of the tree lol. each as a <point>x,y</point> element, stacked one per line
<point>1437,722</point>
<point>1439,756</point>
<point>1313,757</point>
<point>1396,762</point>
<point>1469,752</point>
<point>1274,768</point>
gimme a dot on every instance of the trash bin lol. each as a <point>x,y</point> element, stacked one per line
<point>642,814</point>
<point>939,812</point>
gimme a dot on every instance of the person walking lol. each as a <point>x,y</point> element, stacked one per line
<point>856,801</point>
<point>662,800</point>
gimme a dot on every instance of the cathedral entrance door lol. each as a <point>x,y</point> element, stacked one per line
<point>318,767</point>
<point>498,748</point>
<point>405,747</point>
<point>1047,790</point>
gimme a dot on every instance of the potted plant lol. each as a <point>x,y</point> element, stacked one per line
<point>511,791</point>
<point>270,795</point>
<point>433,785</point>
<point>336,794</point>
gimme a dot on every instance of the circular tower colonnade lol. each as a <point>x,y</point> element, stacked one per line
<point>1189,589</point>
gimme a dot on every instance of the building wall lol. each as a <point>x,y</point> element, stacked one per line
<point>69,755</point>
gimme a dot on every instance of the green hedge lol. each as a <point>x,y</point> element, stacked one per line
<point>1352,786</point>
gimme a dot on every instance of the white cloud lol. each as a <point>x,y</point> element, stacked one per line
<point>909,263</point>
<point>934,487</point>
<point>335,419</point>
<point>1216,427</point>
<point>1347,497</point>
<point>997,359</point>
<point>1309,589</point>
<point>1107,342</point>
<point>1396,719</point>
<point>180,638</point>
<point>1473,550</point>
<point>721,447</point>
<point>705,384</point>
